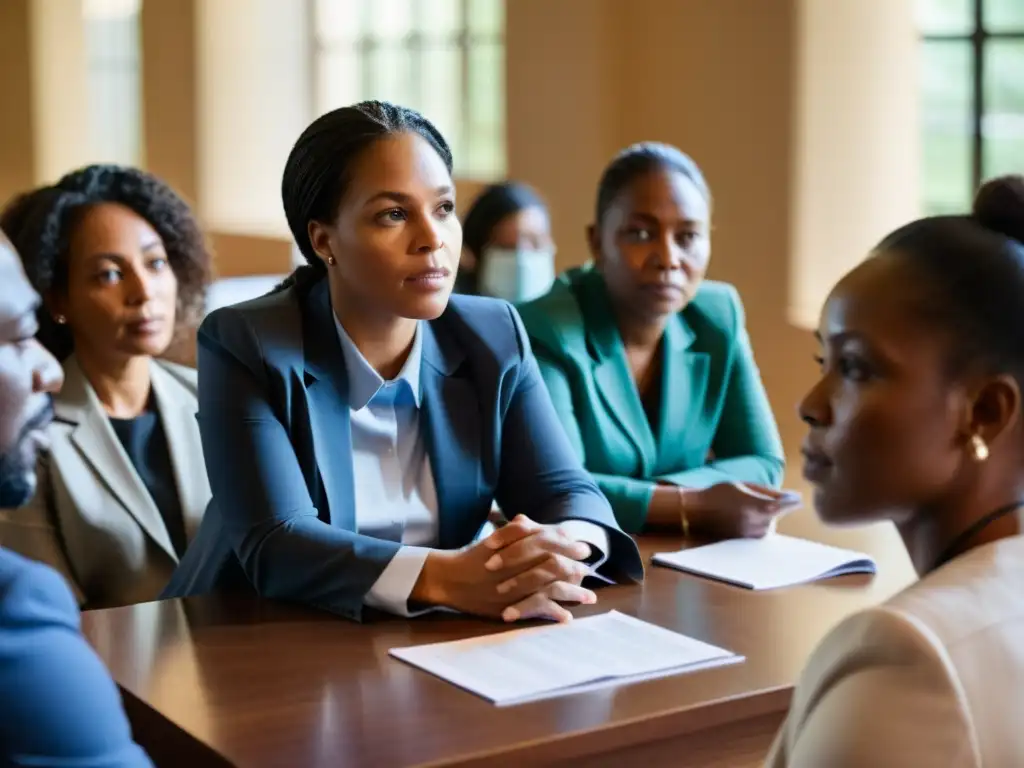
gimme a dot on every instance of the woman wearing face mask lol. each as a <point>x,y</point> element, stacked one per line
<point>358,425</point>
<point>507,244</point>
<point>649,365</point>
<point>918,418</point>
<point>120,262</point>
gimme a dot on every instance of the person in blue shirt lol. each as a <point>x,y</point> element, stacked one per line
<point>59,706</point>
<point>359,423</point>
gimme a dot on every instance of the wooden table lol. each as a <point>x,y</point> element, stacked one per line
<point>243,682</point>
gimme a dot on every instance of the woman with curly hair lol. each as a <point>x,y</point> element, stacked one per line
<point>121,263</point>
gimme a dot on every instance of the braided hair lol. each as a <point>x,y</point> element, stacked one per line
<point>318,168</point>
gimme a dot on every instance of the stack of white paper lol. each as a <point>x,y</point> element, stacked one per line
<point>768,563</point>
<point>540,662</point>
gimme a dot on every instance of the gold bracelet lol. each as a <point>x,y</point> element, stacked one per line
<point>682,513</point>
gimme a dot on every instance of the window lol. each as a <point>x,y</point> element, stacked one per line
<point>445,58</point>
<point>112,52</point>
<point>973,97</point>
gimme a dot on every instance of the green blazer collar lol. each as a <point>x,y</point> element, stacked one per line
<point>599,318</point>
<point>684,374</point>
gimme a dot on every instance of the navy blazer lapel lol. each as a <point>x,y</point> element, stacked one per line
<point>451,415</point>
<point>326,383</point>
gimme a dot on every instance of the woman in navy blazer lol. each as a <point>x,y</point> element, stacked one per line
<point>357,425</point>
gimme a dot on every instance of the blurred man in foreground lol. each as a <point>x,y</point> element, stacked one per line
<point>60,706</point>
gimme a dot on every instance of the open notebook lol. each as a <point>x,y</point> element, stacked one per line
<point>768,563</point>
<point>553,660</point>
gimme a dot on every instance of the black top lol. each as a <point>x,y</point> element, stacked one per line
<point>144,441</point>
<point>651,399</point>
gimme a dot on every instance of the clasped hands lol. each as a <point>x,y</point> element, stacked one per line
<point>523,570</point>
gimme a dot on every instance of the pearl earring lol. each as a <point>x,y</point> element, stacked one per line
<point>61,320</point>
<point>979,448</point>
<point>331,260</point>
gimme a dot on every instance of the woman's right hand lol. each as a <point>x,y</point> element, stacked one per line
<point>734,510</point>
<point>544,571</point>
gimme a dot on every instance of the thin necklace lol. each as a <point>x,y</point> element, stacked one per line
<point>974,529</point>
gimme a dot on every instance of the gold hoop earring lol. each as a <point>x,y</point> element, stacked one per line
<point>331,261</point>
<point>979,448</point>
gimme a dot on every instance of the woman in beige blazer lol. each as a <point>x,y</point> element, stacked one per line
<point>919,418</point>
<point>121,265</point>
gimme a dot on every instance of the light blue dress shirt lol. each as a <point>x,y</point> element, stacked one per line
<point>395,496</point>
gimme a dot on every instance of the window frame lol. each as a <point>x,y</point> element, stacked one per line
<point>102,63</point>
<point>978,39</point>
<point>364,44</point>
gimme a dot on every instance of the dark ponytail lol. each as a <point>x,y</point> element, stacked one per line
<point>318,168</point>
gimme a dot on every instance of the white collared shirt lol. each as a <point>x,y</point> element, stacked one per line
<point>395,495</point>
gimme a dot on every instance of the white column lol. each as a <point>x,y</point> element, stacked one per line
<point>17,142</point>
<point>857,146</point>
<point>60,107</point>
<point>253,82</point>
<point>563,101</point>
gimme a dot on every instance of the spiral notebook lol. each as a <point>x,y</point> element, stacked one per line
<point>769,563</point>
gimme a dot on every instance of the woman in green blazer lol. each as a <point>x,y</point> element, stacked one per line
<point>650,366</point>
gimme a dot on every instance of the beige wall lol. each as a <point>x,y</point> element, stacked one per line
<point>562,103</point>
<point>169,87</point>
<point>59,93</point>
<point>17,139</point>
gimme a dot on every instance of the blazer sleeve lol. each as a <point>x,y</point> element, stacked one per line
<point>259,489</point>
<point>878,692</point>
<point>541,474</point>
<point>60,706</point>
<point>32,531</point>
<point>629,496</point>
<point>747,446</point>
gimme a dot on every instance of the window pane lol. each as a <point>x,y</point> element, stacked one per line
<point>946,111</point>
<point>486,18</point>
<point>390,19</point>
<point>339,81</point>
<point>112,51</point>
<point>339,21</point>
<point>441,90</point>
<point>1004,15</point>
<point>442,57</point>
<point>106,9</point>
<point>1003,125</point>
<point>390,75</point>
<point>485,140</point>
<point>440,19</point>
<point>946,17</point>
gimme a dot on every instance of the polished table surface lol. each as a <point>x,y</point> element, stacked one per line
<point>239,681</point>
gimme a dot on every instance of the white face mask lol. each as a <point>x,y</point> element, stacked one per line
<point>517,274</point>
